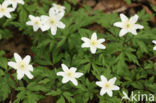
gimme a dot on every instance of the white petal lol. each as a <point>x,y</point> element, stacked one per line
<point>29,75</point>
<point>35,28</point>
<point>74,81</point>
<point>29,23</point>
<point>93,49</point>
<point>20,75</point>
<point>110,93</point>
<point>14,5</point>
<point>112,81</point>
<point>138,26</point>
<point>44,19</point>
<point>8,15</point>
<point>12,64</point>
<point>54,5</point>
<point>85,39</point>
<point>85,45</point>
<point>61,25</point>
<point>65,80</point>
<point>1,15</point>
<point>17,57</point>
<point>45,27</point>
<point>78,74</point>
<point>30,67</point>
<point>64,67</point>
<point>27,59</point>
<point>154,41</point>
<point>53,30</point>
<point>51,12</point>
<point>31,17</point>
<point>102,92</point>
<point>21,2</point>
<point>101,46</point>
<point>73,69</point>
<point>123,32</point>
<point>103,78</point>
<point>118,24</point>
<point>11,10</point>
<point>60,73</point>
<point>59,16</point>
<point>134,19</point>
<point>5,3</point>
<point>101,41</point>
<point>115,87</point>
<point>99,83</point>
<point>154,48</point>
<point>134,32</point>
<point>94,36</point>
<point>123,17</point>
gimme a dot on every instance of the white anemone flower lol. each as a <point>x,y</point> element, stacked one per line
<point>93,43</point>
<point>5,10</point>
<point>58,9</point>
<point>69,74</point>
<point>52,22</point>
<point>107,86</point>
<point>154,41</point>
<point>15,2</point>
<point>128,25</point>
<point>22,66</point>
<point>35,22</point>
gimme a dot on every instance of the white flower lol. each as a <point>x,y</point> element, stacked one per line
<point>5,10</point>
<point>22,66</point>
<point>128,25</point>
<point>58,9</point>
<point>15,2</point>
<point>52,22</point>
<point>35,22</point>
<point>154,41</point>
<point>107,86</point>
<point>93,43</point>
<point>69,74</point>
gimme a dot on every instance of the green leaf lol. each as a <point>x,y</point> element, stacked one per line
<point>61,100</point>
<point>3,62</point>
<point>68,96</point>
<point>4,88</point>
<point>36,87</point>
<point>54,93</point>
<point>128,1</point>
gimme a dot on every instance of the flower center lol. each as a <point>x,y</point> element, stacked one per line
<point>37,23</point>
<point>128,25</point>
<point>2,9</point>
<point>52,21</point>
<point>69,74</point>
<point>107,85</point>
<point>22,65</point>
<point>93,42</point>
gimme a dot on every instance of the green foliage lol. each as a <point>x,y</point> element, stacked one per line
<point>128,58</point>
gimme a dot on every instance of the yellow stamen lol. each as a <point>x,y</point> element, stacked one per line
<point>93,42</point>
<point>22,66</point>
<point>2,9</point>
<point>52,21</point>
<point>107,85</point>
<point>37,22</point>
